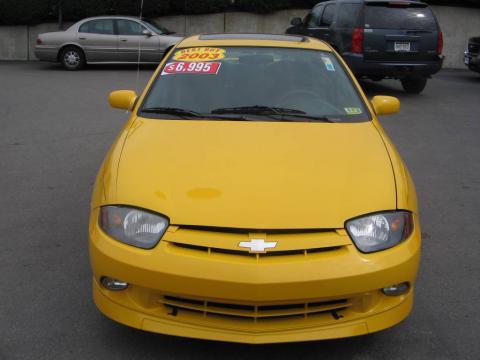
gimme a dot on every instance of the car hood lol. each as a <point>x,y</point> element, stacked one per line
<point>256,175</point>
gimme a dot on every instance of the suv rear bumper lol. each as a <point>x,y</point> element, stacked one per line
<point>362,67</point>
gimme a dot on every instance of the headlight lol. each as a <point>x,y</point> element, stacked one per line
<point>380,231</point>
<point>133,226</point>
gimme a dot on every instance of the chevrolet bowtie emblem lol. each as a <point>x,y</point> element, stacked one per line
<point>258,245</point>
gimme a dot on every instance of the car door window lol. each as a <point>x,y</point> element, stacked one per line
<point>104,26</point>
<point>128,27</point>
<point>314,17</point>
<point>328,14</point>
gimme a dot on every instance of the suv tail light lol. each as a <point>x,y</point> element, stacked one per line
<point>440,43</point>
<point>39,41</point>
<point>357,41</point>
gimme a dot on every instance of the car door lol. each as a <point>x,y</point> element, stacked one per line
<point>131,40</point>
<point>98,40</point>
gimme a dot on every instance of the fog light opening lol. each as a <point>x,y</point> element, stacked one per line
<point>113,284</point>
<point>397,289</point>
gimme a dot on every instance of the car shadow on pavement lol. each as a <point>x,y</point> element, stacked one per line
<point>461,76</point>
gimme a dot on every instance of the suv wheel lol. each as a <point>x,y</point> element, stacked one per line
<point>414,85</point>
<point>376,78</point>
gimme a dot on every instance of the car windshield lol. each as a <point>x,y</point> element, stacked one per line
<point>254,83</point>
<point>160,30</point>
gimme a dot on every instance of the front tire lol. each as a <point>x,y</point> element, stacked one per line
<point>414,85</point>
<point>72,58</point>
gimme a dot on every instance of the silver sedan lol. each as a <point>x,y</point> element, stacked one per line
<point>105,39</point>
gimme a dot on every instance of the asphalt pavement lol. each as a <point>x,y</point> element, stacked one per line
<point>56,127</point>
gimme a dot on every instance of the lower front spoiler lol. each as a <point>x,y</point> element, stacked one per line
<point>139,320</point>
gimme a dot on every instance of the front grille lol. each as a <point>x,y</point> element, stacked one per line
<point>213,250</point>
<point>254,313</point>
<point>246,231</point>
<point>473,48</point>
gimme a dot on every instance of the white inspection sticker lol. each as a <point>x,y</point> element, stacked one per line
<point>353,110</point>
<point>328,63</point>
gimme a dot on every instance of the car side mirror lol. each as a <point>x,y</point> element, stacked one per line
<point>122,99</point>
<point>296,21</point>
<point>147,33</point>
<point>385,105</point>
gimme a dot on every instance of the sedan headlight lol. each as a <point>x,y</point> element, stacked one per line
<point>380,231</point>
<point>133,226</point>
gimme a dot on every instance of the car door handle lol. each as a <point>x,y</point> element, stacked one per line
<point>82,38</point>
<point>124,40</point>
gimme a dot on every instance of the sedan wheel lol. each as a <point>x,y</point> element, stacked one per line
<point>72,58</point>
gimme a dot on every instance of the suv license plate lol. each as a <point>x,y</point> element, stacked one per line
<point>402,46</point>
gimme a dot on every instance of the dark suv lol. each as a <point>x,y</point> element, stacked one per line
<point>379,39</point>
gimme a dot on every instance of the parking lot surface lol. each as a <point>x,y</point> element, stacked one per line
<point>56,127</point>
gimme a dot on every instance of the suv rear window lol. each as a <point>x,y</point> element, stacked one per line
<point>398,17</point>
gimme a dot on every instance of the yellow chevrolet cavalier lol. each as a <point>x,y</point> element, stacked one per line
<point>253,196</point>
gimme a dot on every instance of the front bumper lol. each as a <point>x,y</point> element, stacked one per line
<point>366,68</point>
<point>184,292</point>
<point>203,329</point>
<point>472,61</point>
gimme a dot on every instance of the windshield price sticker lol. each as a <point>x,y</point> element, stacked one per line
<point>200,54</point>
<point>182,67</point>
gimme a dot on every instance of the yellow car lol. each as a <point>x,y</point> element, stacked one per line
<point>253,197</point>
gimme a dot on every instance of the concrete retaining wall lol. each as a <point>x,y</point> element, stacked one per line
<point>13,42</point>
<point>458,24</point>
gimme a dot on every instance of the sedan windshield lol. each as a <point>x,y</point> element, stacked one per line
<point>160,30</point>
<point>254,83</point>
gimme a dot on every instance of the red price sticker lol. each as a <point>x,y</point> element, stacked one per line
<point>182,67</point>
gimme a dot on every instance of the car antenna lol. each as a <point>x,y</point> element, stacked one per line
<point>139,50</point>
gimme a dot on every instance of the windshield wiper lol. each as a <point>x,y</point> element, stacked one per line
<point>172,111</point>
<point>278,113</point>
<point>185,114</point>
<point>307,117</point>
<point>256,109</point>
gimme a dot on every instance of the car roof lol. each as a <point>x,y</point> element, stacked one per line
<point>265,40</point>
<point>112,17</point>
